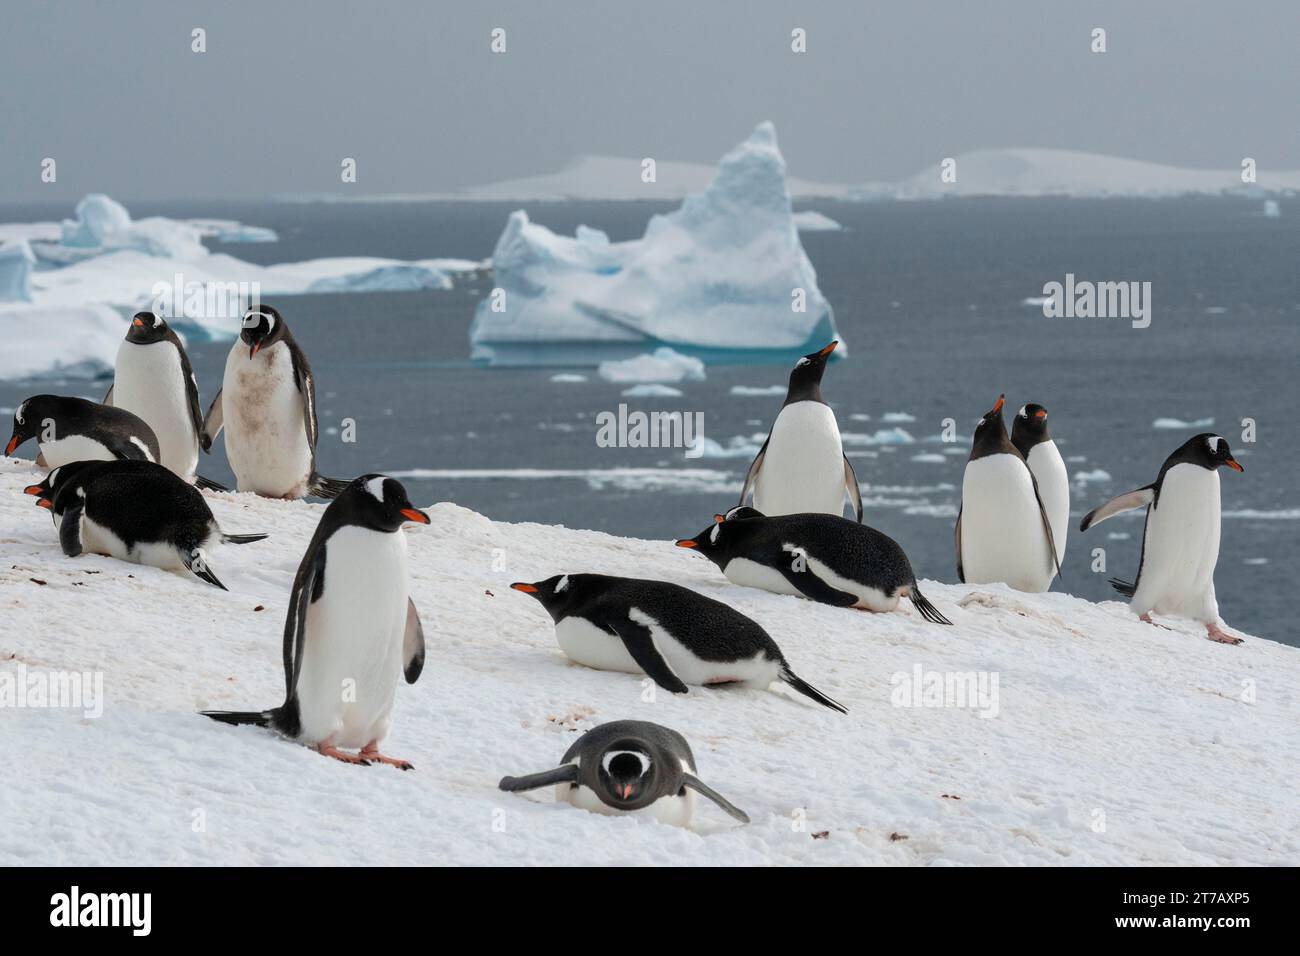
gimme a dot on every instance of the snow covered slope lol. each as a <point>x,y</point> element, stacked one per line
<point>1113,741</point>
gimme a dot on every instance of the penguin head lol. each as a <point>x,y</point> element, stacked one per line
<point>1029,427</point>
<point>262,327</point>
<point>43,490</point>
<point>147,328</point>
<point>377,502</point>
<point>28,419</point>
<point>806,376</point>
<point>628,775</point>
<point>991,433</point>
<point>1209,451</point>
<point>717,540</point>
<point>555,593</point>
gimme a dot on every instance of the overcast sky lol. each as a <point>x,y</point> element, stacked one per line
<point>113,92</point>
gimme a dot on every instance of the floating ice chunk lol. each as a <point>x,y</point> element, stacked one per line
<point>1089,477</point>
<point>16,262</point>
<point>758,390</point>
<point>1173,423</point>
<point>930,457</point>
<point>72,342</point>
<point>652,391</point>
<point>569,377</point>
<point>397,277</point>
<point>738,446</point>
<point>664,365</point>
<point>896,417</point>
<point>98,217</point>
<point>228,230</point>
<point>812,221</point>
<point>883,436</point>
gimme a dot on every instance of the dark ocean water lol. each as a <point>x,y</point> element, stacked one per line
<point>928,297</point>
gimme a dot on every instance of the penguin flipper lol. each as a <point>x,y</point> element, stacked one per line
<point>108,397</point>
<point>1128,501</point>
<point>209,485</point>
<point>323,487</point>
<point>307,389</point>
<point>752,475</point>
<point>212,423</point>
<point>699,786</point>
<point>70,531</point>
<point>244,538</point>
<point>566,774</point>
<point>202,571</point>
<point>1123,587</point>
<point>851,486</point>
<point>956,534</point>
<point>1047,527</point>
<point>412,644</point>
<point>640,644</point>
<point>808,584</point>
<point>808,690</point>
<point>295,622</point>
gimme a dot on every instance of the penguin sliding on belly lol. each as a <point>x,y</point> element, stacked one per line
<point>154,380</point>
<point>824,558</point>
<point>75,429</point>
<point>1180,543</point>
<point>1002,533</point>
<point>135,511</point>
<point>267,405</point>
<point>1030,435</point>
<point>801,466</point>
<point>351,628</point>
<point>628,767</point>
<point>668,632</point>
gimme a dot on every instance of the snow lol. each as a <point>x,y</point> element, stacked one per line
<point>1113,742</point>
<point>16,262</point>
<point>65,341</point>
<point>717,277</point>
<point>810,220</point>
<point>663,365</point>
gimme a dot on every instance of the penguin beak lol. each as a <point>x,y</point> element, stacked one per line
<point>526,588</point>
<point>45,503</point>
<point>718,519</point>
<point>252,349</point>
<point>138,323</point>
<point>1233,464</point>
<point>1041,414</point>
<point>997,409</point>
<point>411,514</point>
<point>14,442</point>
<point>625,791</point>
<point>829,349</point>
<point>33,490</point>
<point>686,543</point>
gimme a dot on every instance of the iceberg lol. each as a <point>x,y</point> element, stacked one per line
<point>664,365</point>
<point>72,342</point>
<point>16,262</point>
<point>723,278</point>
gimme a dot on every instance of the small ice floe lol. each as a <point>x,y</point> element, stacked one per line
<point>1076,459</point>
<point>758,390</point>
<point>859,417</point>
<point>1215,310</point>
<point>883,436</point>
<point>812,221</point>
<point>929,457</point>
<point>1036,301</point>
<point>893,417</point>
<point>1088,477</point>
<point>1173,423</point>
<point>652,390</point>
<point>662,365</point>
<point>738,446</point>
<point>1255,561</point>
<point>1117,536</point>
<point>1271,209</point>
<point>568,377</point>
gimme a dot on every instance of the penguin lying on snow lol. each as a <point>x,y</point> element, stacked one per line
<point>351,626</point>
<point>1030,435</point>
<point>1002,533</point>
<point>74,429</point>
<point>822,557</point>
<point>628,766</point>
<point>267,405</point>
<point>136,511</point>
<point>1180,543</point>
<point>801,466</point>
<point>668,632</point>
<point>153,379</point>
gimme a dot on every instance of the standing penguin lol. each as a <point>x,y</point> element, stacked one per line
<point>668,632</point>
<point>628,766</point>
<point>801,466</point>
<point>76,429</point>
<point>1180,542</point>
<point>267,405</point>
<point>135,511</point>
<point>153,378</point>
<point>1003,533</point>
<point>351,626</point>
<point>1032,439</point>
<point>824,558</point>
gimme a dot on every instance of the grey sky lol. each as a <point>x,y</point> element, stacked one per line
<point>287,89</point>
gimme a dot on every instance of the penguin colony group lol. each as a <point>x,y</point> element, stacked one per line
<point>122,482</point>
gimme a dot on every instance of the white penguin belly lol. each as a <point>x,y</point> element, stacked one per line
<point>673,810</point>
<point>803,467</point>
<point>352,657</point>
<point>751,574</point>
<point>266,434</point>
<point>97,539</point>
<point>1181,547</point>
<point>872,599</point>
<point>1054,488</point>
<point>1002,537</point>
<point>74,448</point>
<point>149,382</point>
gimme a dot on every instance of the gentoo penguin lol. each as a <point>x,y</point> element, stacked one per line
<point>351,628</point>
<point>628,766</point>
<point>821,557</point>
<point>153,379</point>
<point>1003,533</point>
<point>801,466</point>
<point>267,404</point>
<point>1180,544</point>
<point>75,429</point>
<point>135,511</point>
<point>1032,439</point>
<point>672,634</point>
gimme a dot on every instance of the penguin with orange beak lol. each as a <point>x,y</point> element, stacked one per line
<point>69,429</point>
<point>1180,543</point>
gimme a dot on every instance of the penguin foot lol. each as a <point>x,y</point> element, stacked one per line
<point>1220,636</point>
<point>371,754</point>
<point>329,750</point>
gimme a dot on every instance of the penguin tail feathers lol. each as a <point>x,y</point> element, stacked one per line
<point>207,484</point>
<point>243,538</point>
<point>1123,587</point>
<point>323,487</point>
<point>925,608</point>
<point>257,718</point>
<point>808,690</point>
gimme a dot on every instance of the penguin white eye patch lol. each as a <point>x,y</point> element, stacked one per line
<point>376,487</point>
<point>18,415</point>
<point>1213,442</point>
<point>250,320</point>
<point>606,760</point>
